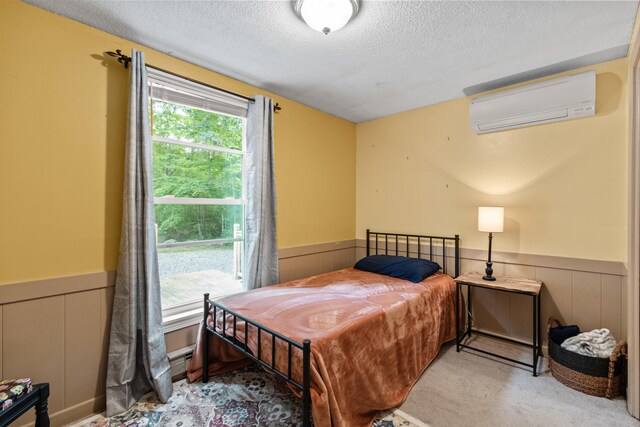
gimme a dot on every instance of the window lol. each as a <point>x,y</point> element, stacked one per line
<point>198,151</point>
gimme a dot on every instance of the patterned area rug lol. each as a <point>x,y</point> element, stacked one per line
<point>246,397</point>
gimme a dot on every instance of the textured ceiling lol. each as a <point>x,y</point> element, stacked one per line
<point>394,56</point>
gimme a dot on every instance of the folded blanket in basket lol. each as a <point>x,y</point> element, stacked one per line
<point>560,333</point>
<point>597,343</point>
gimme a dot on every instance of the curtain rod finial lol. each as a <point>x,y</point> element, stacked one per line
<point>122,58</point>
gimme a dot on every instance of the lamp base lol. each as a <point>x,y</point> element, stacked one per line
<point>489,270</point>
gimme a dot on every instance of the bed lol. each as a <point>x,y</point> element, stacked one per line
<point>349,343</point>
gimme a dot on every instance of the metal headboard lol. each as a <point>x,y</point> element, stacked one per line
<point>433,248</point>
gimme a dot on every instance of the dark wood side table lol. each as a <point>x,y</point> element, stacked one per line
<point>516,285</point>
<point>37,398</point>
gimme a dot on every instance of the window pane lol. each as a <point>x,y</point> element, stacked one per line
<point>188,272</point>
<point>194,125</point>
<point>188,172</point>
<point>183,223</point>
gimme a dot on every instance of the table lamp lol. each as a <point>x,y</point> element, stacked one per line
<point>490,220</point>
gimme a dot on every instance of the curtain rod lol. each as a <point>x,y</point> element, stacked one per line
<point>125,60</point>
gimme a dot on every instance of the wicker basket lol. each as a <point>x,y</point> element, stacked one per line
<point>595,376</point>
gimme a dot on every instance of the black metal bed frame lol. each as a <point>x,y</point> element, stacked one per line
<point>243,346</point>
<point>415,240</point>
<point>409,241</point>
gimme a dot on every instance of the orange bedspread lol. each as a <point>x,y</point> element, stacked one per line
<point>371,336</point>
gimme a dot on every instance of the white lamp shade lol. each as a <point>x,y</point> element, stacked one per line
<point>327,14</point>
<point>491,219</point>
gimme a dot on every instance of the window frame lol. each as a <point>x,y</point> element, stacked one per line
<point>172,89</point>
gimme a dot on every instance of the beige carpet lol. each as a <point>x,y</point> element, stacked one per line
<point>469,389</point>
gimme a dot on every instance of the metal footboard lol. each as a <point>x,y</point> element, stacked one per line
<point>242,344</point>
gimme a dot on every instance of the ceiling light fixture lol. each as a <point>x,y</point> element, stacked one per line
<point>326,15</point>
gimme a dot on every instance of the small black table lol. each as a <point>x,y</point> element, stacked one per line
<point>36,398</point>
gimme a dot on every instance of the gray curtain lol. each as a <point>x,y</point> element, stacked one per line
<point>261,246</point>
<point>137,354</point>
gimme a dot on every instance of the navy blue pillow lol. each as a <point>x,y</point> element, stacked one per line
<point>412,269</point>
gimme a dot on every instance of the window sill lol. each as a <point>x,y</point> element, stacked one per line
<point>189,317</point>
<point>182,320</point>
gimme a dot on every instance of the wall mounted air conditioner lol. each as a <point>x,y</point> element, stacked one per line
<point>554,100</point>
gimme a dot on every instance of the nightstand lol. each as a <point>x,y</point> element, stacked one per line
<point>516,285</point>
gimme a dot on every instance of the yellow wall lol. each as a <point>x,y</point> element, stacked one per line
<point>62,111</point>
<point>563,185</point>
<point>62,115</point>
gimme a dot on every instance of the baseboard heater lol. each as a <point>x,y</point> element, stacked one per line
<point>179,361</point>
